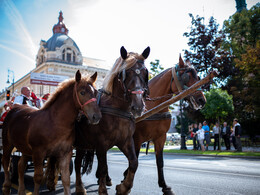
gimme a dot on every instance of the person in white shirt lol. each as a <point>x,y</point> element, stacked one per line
<point>25,97</point>
<point>216,131</point>
<point>200,133</point>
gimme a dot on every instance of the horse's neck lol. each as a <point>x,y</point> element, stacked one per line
<point>161,87</point>
<point>64,107</point>
<point>116,99</point>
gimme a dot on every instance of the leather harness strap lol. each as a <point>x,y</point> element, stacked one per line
<point>117,112</point>
<point>159,116</point>
<point>176,80</point>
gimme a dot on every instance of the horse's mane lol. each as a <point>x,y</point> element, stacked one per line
<point>61,87</point>
<point>118,66</point>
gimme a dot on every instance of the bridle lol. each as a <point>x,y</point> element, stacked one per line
<point>87,102</point>
<point>179,79</point>
<point>135,90</point>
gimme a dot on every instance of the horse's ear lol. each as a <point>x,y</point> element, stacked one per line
<point>146,52</point>
<point>123,52</point>
<point>93,78</point>
<point>181,63</point>
<point>78,76</point>
<point>188,62</point>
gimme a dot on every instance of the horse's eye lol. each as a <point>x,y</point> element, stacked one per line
<point>82,92</point>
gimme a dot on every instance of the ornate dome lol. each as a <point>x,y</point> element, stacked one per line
<point>60,47</point>
<point>58,40</point>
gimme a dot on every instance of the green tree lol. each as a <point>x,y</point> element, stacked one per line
<point>205,51</point>
<point>219,105</point>
<point>243,41</point>
<point>155,68</point>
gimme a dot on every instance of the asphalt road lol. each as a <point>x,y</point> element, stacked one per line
<point>185,174</point>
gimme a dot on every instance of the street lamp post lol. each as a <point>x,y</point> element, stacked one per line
<point>10,71</point>
<point>183,143</point>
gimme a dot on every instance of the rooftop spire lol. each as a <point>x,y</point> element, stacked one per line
<point>60,26</point>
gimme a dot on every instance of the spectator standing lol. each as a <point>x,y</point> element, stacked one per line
<point>238,132</point>
<point>216,131</point>
<point>195,137</point>
<point>226,135</point>
<point>25,97</point>
<point>205,127</point>
<point>201,136</point>
<point>233,138</point>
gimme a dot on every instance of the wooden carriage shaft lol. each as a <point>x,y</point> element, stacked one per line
<point>178,97</point>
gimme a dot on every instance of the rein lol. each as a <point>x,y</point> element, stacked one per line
<point>87,102</point>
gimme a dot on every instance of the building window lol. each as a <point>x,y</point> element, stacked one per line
<point>74,57</point>
<point>63,54</point>
<point>68,55</point>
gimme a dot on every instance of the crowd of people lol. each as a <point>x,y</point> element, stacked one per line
<point>201,135</point>
<point>27,97</point>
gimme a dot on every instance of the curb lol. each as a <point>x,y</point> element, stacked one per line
<point>205,155</point>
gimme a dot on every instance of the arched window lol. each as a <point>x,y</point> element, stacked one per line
<point>68,55</point>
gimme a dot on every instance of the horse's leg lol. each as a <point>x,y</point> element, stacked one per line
<point>38,157</point>
<point>129,151</point>
<point>80,189</point>
<point>64,164</point>
<point>159,144</point>
<point>21,169</point>
<point>7,150</point>
<point>51,174</point>
<point>102,171</point>
<point>137,152</point>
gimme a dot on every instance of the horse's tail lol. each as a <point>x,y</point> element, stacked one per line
<point>87,162</point>
<point>147,147</point>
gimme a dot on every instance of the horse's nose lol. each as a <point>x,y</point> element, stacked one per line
<point>96,118</point>
<point>136,110</point>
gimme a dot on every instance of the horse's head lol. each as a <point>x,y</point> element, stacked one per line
<point>85,97</point>
<point>186,76</point>
<point>134,79</point>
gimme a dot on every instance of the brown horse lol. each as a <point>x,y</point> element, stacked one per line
<point>170,81</point>
<point>121,100</point>
<point>48,132</point>
<point>162,87</point>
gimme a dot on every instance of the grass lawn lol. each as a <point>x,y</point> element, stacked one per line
<point>213,153</point>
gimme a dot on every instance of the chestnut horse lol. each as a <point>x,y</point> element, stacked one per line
<point>49,131</point>
<point>170,81</point>
<point>121,100</point>
<point>154,128</point>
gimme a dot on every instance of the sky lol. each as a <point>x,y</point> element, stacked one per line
<point>101,27</point>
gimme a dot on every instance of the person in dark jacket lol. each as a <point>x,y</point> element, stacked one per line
<point>225,131</point>
<point>238,133</point>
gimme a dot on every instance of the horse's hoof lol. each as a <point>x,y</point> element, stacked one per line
<point>108,183</point>
<point>80,190</point>
<point>122,190</point>
<point>6,191</point>
<point>22,192</point>
<point>168,191</point>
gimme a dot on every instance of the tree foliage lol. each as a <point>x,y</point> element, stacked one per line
<point>219,104</point>
<point>205,51</point>
<point>243,40</point>
<point>155,68</point>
